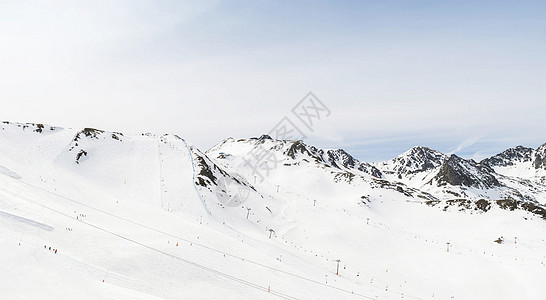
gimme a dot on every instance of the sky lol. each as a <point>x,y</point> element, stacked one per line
<point>463,77</point>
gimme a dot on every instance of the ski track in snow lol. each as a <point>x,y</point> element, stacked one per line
<point>9,173</point>
<point>24,221</point>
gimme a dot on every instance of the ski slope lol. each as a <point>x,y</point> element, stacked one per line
<point>130,220</point>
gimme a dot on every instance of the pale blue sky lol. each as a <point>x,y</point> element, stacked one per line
<point>459,76</point>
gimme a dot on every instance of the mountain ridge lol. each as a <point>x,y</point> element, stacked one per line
<point>420,172</point>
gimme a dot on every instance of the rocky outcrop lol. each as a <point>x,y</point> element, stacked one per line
<point>510,157</point>
<point>460,172</point>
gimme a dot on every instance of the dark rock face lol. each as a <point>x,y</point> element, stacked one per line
<point>540,158</point>
<point>511,204</point>
<point>80,155</point>
<point>39,128</point>
<point>540,162</point>
<point>299,147</point>
<point>339,158</point>
<point>484,205</point>
<point>369,169</point>
<point>91,134</point>
<point>344,158</point>
<point>519,154</point>
<point>510,157</point>
<point>481,205</point>
<point>460,172</point>
<point>264,137</point>
<point>205,176</point>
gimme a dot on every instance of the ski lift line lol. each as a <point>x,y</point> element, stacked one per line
<point>197,244</point>
<point>190,241</point>
<point>195,186</point>
<point>197,265</point>
<point>392,291</point>
<point>435,240</point>
<point>160,176</point>
<point>212,249</point>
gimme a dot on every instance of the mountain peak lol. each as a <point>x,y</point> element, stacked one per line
<point>421,152</point>
<point>417,159</point>
<point>418,149</point>
<point>265,137</point>
<point>510,157</point>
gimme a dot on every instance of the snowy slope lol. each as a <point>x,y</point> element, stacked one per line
<point>152,217</point>
<point>304,172</point>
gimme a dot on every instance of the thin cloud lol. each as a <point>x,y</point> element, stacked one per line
<point>465,144</point>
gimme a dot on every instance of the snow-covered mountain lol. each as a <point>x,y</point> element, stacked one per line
<point>520,162</point>
<point>420,173</point>
<point>151,216</point>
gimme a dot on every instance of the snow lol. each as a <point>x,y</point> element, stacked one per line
<point>129,221</point>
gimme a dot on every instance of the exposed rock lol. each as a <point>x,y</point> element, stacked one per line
<point>460,172</point>
<point>510,157</point>
<point>79,155</point>
<point>418,159</point>
<point>540,158</point>
<point>300,147</point>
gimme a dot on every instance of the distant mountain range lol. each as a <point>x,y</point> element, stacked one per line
<point>516,176</point>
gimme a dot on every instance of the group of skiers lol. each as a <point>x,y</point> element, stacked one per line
<point>50,249</point>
